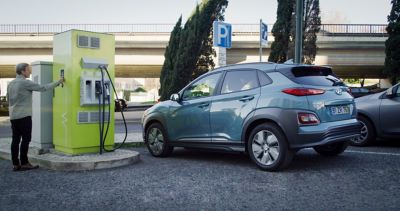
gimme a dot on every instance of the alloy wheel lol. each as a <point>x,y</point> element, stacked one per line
<point>156,140</point>
<point>265,147</point>
<point>363,135</point>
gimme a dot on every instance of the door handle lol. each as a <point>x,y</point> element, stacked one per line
<point>246,98</point>
<point>203,105</point>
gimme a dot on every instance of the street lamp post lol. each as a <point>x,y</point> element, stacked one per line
<point>299,32</point>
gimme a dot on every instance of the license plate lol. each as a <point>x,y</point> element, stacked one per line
<point>337,110</point>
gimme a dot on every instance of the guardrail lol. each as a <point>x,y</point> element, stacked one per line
<point>353,29</point>
<point>238,29</point>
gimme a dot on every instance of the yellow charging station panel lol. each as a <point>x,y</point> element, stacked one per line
<point>76,105</point>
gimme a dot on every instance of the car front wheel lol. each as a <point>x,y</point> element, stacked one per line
<point>268,148</point>
<point>156,141</point>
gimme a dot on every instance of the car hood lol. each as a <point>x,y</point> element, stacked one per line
<point>157,107</point>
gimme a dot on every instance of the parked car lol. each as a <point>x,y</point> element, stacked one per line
<point>379,115</point>
<point>267,110</point>
<point>359,91</point>
<point>3,106</point>
<point>3,102</point>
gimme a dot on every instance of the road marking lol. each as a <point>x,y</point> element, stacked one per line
<point>364,152</point>
<point>373,153</point>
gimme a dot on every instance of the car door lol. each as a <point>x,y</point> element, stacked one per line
<point>189,118</point>
<point>237,99</point>
<point>389,108</point>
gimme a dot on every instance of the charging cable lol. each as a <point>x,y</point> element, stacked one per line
<point>106,95</point>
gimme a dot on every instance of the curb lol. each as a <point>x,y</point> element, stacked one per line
<point>60,162</point>
<point>129,157</point>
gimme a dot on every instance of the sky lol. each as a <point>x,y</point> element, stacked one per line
<point>168,11</point>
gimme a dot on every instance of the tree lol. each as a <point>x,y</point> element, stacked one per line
<point>193,38</point>
<point>188,53</point>
<point>281,31</point>
<point>169,61</point>
<point>311,26</point>
<point>392,60</point>
<point>206,61</point>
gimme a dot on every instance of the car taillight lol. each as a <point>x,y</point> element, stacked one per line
<point>303,91</point>
<point>307,119</point>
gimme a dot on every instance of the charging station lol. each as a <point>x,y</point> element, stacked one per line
<point>86,99</point>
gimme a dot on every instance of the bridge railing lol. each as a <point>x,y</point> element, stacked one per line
<point>162,29</point>
<point>353,29</point>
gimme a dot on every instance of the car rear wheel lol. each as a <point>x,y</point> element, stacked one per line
<point>331,149</point>
<point>157,142</point>
<point>268,148</point>
<point>367,135</point>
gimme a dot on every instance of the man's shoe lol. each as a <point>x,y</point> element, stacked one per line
<point>16,167</point>
<point>29,166</point>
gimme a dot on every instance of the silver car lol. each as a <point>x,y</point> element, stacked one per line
<point>379,115</point>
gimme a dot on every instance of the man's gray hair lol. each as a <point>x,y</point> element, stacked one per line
<point>20,67</point>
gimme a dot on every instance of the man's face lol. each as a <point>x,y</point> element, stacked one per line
<point>27,72</point>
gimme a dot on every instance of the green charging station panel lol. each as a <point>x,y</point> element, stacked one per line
<point>76,105</point>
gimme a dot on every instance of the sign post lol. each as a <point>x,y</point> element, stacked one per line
<point>222,39</point>
<point>298,54</point>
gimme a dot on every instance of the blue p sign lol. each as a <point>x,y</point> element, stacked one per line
<point>222,34</point>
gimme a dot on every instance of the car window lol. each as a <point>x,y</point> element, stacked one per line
<point>202,88</point>
<point>364,90</point>
<point>313,75</point>
<point>241,80</point>
<point>264,79</point>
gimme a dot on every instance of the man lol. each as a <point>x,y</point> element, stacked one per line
<point>19,94</point>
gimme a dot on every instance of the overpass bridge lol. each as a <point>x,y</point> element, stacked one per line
<point>353,50</point>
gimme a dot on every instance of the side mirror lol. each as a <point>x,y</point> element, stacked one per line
<point>174,97</point>
<point>389,92</point>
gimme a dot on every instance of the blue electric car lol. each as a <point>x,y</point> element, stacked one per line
<point>267,110</point>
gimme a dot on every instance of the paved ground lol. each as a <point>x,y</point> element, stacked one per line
<point>360,179</point>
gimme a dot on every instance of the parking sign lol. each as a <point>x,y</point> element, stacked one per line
<point>222,34</point>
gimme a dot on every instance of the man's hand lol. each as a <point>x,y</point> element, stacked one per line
<point>61,81</point>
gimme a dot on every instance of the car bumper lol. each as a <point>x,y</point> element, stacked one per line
<point>325,133</point>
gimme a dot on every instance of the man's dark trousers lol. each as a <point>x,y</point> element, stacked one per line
<point>21,128</point>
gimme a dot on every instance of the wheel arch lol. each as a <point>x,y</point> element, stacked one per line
<point>364,115</point>
<point>150,122</point>
<point>254,123</point>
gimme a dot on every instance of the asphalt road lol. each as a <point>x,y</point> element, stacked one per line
<point>359,179</point>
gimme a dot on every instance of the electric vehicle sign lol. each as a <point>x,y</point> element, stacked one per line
<point>222,34</point>
<point>264,34</point>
